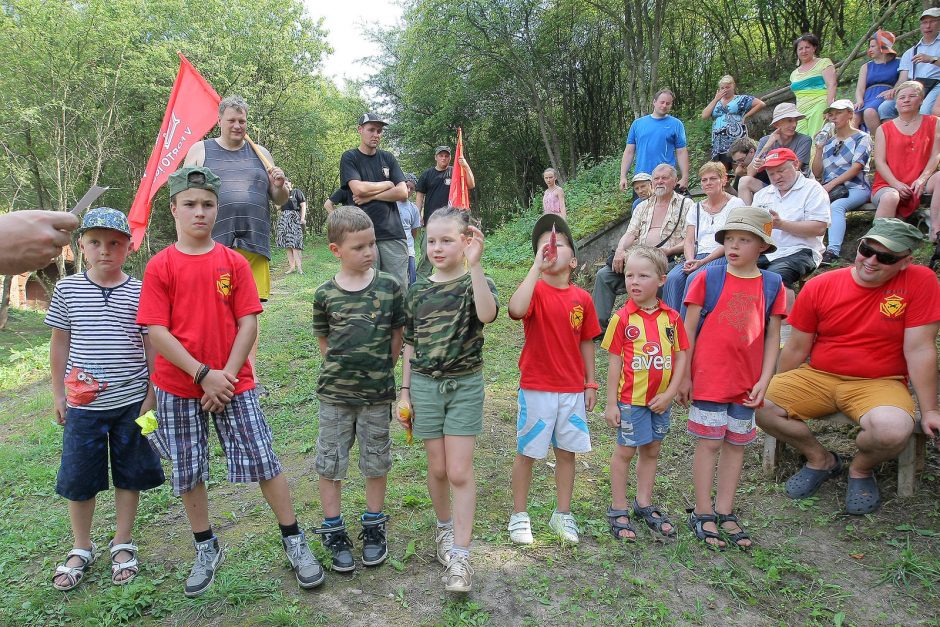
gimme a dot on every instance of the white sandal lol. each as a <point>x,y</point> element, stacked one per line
<point>75,574</point>
<point>130,565</point>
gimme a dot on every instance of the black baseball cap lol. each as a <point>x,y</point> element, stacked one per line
<point>545,224</point>
<point>365,118</point>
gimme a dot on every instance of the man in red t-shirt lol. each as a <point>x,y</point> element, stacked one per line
<point>201,306</point>
<point>866,330</point>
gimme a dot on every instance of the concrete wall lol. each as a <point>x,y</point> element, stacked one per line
<point>596,247</point>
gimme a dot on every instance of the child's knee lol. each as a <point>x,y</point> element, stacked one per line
<point>708,444</point>
<point>624,453</point>
<point>564,456</point>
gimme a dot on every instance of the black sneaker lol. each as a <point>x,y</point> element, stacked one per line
<point>829,258</point>
<point>374,544</point>
<point>337,541</point>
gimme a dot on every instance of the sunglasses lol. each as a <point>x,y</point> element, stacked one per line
<point>887,259</point>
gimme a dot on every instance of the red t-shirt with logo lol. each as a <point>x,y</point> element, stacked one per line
<point>729,348</point>
<point>557,321</point>
<point>647,343</point>
<point>199,298</point>
<point>860,330</point>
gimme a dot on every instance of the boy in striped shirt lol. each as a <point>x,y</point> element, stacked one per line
<point>647,344</point>
<point>100,360</point>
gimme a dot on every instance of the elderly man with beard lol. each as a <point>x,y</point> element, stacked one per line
<point>658,222</point>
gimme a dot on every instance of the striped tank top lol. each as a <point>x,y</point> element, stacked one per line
<point>244,219</point>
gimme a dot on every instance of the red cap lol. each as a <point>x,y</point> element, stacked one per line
<point>778,156</point>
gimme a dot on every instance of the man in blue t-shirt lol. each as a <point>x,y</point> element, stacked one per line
<point>656,138</point>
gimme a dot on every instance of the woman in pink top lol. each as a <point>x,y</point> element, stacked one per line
<point>553,200</point>
<point>907,152</point>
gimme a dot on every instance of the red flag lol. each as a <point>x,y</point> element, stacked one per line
<point>192,111</point>
<point>459,194</point>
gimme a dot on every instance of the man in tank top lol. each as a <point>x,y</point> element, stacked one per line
<point>249,180</point>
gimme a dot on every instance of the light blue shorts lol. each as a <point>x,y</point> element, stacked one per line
<point>639,425</point>
<point>551,418</point>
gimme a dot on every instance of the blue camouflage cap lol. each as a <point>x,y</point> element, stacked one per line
<point>105,218</point>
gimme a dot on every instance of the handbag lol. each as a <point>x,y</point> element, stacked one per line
<point>838,193</point>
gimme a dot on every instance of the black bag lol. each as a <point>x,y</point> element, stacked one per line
<point>838,193</point>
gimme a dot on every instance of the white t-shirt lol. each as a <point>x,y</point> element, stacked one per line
<point>806,200</point>
<point>706,224</point>
<point>106,366</point>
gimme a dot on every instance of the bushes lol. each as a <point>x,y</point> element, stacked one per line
<point>592,198</point>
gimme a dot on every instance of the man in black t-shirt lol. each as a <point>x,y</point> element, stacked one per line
<point>376,182</point>
<point>433,193</point>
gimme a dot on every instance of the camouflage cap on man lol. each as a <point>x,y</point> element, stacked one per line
<point>194,177</point>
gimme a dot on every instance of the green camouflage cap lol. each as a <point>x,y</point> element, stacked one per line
<point>895,235</point>
<point>194,177</point>
<point>105,218</point>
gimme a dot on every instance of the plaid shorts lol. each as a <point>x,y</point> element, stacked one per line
<point>183,437</point>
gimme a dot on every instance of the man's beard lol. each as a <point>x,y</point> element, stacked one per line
<point>660,191</point>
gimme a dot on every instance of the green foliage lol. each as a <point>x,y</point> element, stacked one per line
<point>593,199</point>
<point>87,84</point>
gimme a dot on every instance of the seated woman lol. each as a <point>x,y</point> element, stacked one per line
<point>702,222</point>
<point>907,151</point>
<point>730,112</point>
<point>553,200</point>
<point>875,77</point>
<point>840,163</point>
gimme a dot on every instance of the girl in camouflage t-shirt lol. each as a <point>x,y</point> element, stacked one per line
<point>442,379</point>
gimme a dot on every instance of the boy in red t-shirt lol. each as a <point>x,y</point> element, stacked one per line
<point>556,386</point>
<point>733,360</point>
<point>200,304</point>
<point>648,350</point>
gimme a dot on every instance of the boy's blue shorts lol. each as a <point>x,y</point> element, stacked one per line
<point>639,425</point>
<point>89,438</point>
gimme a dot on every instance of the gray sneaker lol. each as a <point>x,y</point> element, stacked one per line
<point>209,556</point>
<point>306,567</point>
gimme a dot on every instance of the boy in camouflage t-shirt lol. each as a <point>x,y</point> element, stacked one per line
<point>358,317</point>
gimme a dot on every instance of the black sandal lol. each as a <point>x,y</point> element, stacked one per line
<point>736,537</point>
<point>655,518</point>
<point>697,526</point>
<point>616,526</point>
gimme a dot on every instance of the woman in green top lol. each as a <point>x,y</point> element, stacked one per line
<point>814,83</point>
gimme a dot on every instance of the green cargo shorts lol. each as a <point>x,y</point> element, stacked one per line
<point>340,425</point>
<point>447,406</point>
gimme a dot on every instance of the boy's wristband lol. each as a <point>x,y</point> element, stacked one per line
<point>405,387</point>
<point>591,386</point>
<point>201,374</point>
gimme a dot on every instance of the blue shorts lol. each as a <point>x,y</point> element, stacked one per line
<point>639,425</point>
<point>89,438</point>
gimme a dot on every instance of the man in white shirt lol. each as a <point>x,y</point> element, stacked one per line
<point>800,207</point>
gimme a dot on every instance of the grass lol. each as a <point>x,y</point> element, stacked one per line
<point>812,564</point>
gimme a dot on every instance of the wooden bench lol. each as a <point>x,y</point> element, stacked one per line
<point>910,461</point>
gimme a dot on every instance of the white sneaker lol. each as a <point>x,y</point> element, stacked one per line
<point>445,542</point>
<point>520,528</point>
<point>457,574</point>
<point>565,526</point>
